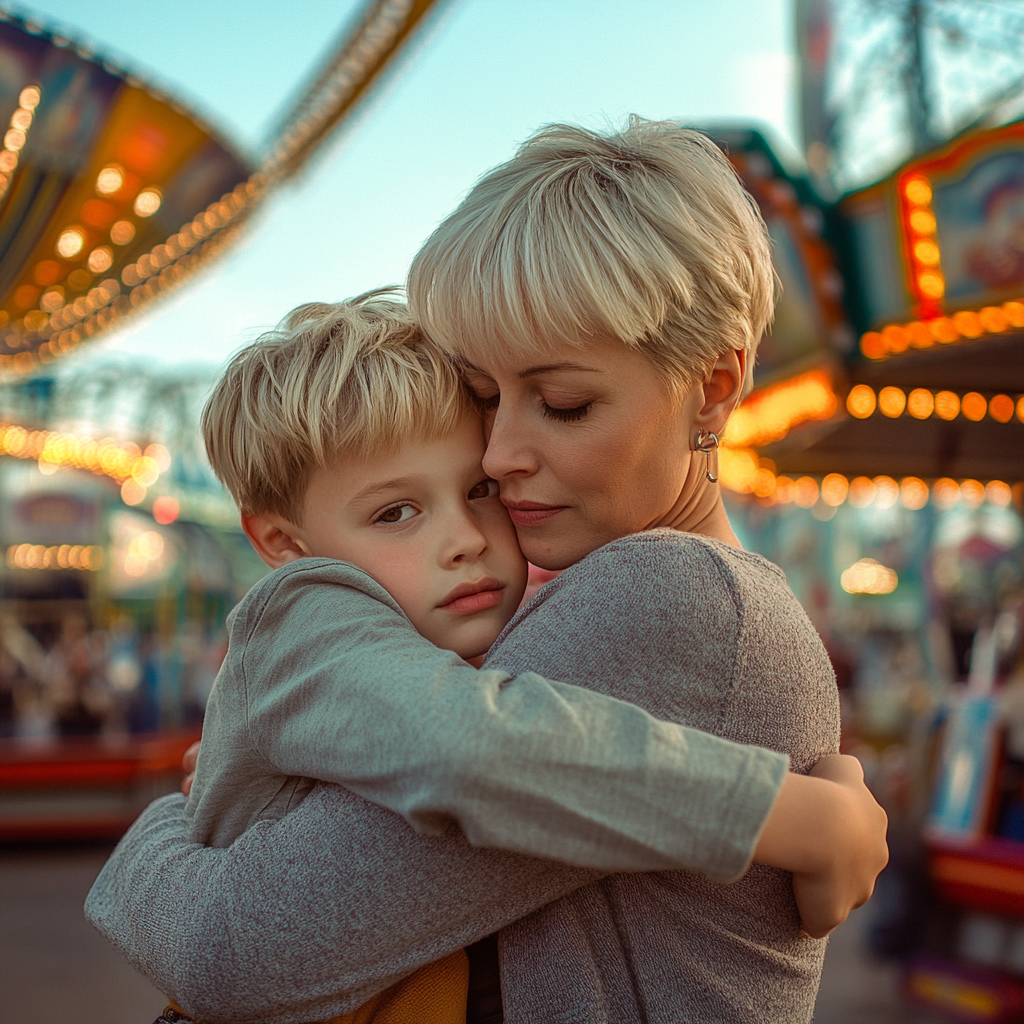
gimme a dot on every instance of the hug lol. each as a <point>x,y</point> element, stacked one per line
<point>416,800</point>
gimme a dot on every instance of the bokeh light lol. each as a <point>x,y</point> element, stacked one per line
<point>887,491</point>
<point>972,493</point>
<point>834,489</point>
<point>122,232</point>
<point>862,491</point>
<point>70,243</point>
<point>892,401</point>
<point>974,406</point>
<point>920,403</point>
<point>100,259</point>
<point>166,509</point>
<point>867,576</point>
<point>147,202</point>
<point>918,191</point>
<point>946,492</point>
<point>947,405</point>
<point>1000,408</point>
<point>110,180</point>
<point>860,402</point>
<point>913,493</point>
<point>805,491</point>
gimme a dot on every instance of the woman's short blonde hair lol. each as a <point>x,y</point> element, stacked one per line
<point>348,378</point>
<point>645,235</point>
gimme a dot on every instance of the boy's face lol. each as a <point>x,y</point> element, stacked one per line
<point>428,526</point>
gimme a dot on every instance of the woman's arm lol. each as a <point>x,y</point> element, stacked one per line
<point>308,917</point>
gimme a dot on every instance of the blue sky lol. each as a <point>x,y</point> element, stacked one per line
<point>478,81</point>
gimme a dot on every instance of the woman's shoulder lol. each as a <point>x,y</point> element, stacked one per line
<point>666,553</point>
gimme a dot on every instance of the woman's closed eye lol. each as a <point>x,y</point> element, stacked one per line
<point>395,514</point>
<point>577,412</point>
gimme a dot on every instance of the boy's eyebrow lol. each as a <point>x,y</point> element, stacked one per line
<point>383,485</point>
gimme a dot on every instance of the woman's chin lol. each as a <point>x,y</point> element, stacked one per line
<point>557,553</point>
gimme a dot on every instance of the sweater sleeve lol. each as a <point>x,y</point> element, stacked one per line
<point>520,762</point>
<point>307,917</point>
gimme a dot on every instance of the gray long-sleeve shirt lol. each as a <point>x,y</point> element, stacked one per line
<point>309,916</point>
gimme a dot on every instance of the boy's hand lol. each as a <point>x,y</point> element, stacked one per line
<point>188,763</point>
<point>829,831</point>
<point>859,853</point>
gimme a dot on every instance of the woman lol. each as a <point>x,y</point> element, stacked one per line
<point>605,296</point>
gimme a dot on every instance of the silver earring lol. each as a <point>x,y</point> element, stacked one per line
<point>707,442</point>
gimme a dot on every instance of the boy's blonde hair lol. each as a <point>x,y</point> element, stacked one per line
<point>645,235</point>
<point>351,378</point>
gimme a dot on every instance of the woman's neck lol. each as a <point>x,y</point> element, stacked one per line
<point>699,509</point>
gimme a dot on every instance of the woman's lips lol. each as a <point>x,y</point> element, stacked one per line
<point>531,513</point>
<point>468,598</point>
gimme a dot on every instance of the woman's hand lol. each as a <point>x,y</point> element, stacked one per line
<point>188,763</point>
<point>829,831</point>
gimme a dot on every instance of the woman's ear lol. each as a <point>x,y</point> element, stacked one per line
<point>275,539</point>
<point>723,391</point>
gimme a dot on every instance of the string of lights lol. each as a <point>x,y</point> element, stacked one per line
<point>17,135</point>
<point>135,469</point>
<point>61,323</point>
<point>922,403</point>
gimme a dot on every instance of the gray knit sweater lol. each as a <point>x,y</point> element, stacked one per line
<point>308,916</point>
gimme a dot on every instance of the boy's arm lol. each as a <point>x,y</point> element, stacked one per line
<point>341,688</point>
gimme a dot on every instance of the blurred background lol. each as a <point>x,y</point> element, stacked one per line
<point>175,177</point>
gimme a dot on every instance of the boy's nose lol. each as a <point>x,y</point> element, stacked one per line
<point>466,542</point>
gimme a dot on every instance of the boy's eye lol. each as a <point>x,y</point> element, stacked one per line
<point>396,514</point>
<point>484,489</point>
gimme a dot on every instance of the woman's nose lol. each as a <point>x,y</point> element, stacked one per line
<point>506,454</point>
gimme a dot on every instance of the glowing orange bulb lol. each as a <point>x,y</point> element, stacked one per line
<point>1000,408</point>
<point>892,402</point>
<point>947,405</point>
<point>932,284</point>
<point>872,344</point>
<point>918,191</point>
<point>913,493</point>
<point>860,402</point>
<point>927,252</point>
<point>973,406</point>
<point>923,222</point>
<point>920,403</point>
<point>834,489</point>
<point>968,324</point>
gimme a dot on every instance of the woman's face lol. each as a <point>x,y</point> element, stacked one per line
<point>587,444</point>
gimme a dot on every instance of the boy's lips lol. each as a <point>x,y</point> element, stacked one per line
<point>467,598</point>
<point>530,513</point>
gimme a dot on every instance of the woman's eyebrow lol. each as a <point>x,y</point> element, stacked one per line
<point>552,367</point>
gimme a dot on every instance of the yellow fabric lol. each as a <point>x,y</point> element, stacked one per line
<point>435,994</point>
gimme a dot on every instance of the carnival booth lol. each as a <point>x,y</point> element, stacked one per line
<point>120,554</point>
<point>896,418</point>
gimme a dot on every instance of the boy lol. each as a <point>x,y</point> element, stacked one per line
<point>353,453</point>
